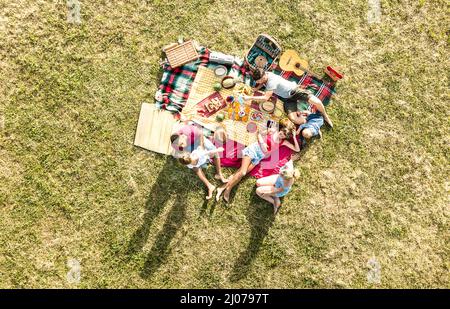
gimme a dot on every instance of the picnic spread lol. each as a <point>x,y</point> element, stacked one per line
<point>209,88</point>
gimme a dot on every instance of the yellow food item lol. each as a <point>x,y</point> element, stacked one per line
<point>228,82</point>
<point>268,106</point>
<point>247,112</point>
<point>247,90</point>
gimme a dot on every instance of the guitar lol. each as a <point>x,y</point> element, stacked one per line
<point>291,62</point>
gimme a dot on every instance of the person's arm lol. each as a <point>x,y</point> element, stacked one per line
<point>262,98</point>
<point>185,118</point>
<point>294,147</point>
<point>214,151</point>
<point>305,113</point>
<point>264,131</point>
<point>312,99</point>
<point>202,141</point>
<point>259,86</point>
<point>261,142</point>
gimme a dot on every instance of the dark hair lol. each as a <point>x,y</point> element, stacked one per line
<point>174,137</point>
<point>303,94</point>
<point>185,158</point>
<point>258,74</point>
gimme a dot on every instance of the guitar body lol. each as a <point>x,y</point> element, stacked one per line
<point>290,61</point>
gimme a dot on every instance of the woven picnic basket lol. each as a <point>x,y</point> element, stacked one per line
<point>264,46</point>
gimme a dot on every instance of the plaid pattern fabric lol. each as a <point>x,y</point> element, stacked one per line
<point>321,89</point>
<point>176,83</point>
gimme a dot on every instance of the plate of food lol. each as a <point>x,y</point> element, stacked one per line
<point>256,116</point>
<point>228,82</point>
<point>220,71</point>
<point>252,127</point>
<point>268,106</point>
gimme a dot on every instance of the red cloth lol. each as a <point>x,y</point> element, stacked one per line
<point>232,157</point>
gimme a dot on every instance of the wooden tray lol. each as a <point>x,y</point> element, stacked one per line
<point>181,54</point>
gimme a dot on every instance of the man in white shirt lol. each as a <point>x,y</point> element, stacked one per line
<point>291,93</point>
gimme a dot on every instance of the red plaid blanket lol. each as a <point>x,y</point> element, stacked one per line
<point>320,88</point>
<point>175,85</point>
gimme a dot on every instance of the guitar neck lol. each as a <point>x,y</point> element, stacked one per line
<point>307,71</point>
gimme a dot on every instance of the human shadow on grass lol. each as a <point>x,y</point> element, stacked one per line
<point>160,249</point>
<point>261,217</point>
<point>155,203</point>
<point>167,186</point>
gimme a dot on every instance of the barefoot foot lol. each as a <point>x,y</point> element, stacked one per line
<point>221,178</point>
<point>226,196</point>
<point>210,192</point>
<point>219,193</point>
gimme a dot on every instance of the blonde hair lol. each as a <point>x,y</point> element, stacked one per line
<point>286,123</point>
<point>290,173</point>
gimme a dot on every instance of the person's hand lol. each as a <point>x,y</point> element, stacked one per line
<point>294,133</point>
<point>186,117</point>
<point>220,149</point>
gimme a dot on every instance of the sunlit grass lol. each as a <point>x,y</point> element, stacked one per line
<point>73,186</point>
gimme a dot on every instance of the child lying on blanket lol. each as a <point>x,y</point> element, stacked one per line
<point>272,188</point>
<point>254,153</point>
<point>309,129</point>
<point>199,159</point>
<point>290,93</point>
<point>187,138</point>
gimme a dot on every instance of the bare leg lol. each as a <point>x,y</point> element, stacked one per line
<point>267,181</point>
<point>321,108</point>
<point>267,193</point>
<point>296,118</point>
<point>267,197</point>
<point>220,134</point>
<point>260,191</point>
<point>276,205</point>
<point>219,174</point>
<point>220,137</point>
<point>246,166</point>
<point>203,178</point>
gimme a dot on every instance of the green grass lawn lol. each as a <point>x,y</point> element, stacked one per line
<point>73,186</point>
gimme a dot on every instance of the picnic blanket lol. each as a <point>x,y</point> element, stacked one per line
<point>176,83</point>
<point>232,157</point>
<point>236,130</point>
<point>175,87</point>
<point>320,88</point>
